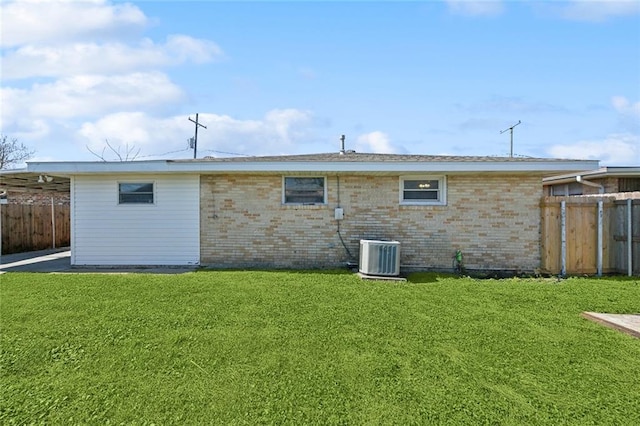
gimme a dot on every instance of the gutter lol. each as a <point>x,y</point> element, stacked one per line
<point>581,181</point>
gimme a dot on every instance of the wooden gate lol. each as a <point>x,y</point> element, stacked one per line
<point>583,223</point>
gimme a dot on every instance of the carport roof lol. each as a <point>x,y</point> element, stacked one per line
<point>24,181</point>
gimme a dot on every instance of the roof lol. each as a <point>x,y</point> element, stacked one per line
<point>324,163</point>
<point>350,156</point>
<point>327,163</point>
<point>600,173</point>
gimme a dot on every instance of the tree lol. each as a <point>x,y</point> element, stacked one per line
<point>128,154</point>
<point>13,152</point>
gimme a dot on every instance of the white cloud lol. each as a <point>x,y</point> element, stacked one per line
<point>108,58</point>
<point>616,149</point>
<point>376,142</point>
<point>476,7</point>
<point>626,107</point>
<point>597,11</point>
<point>185,48</point>
<point>279,131</point>
<point>32,129</point>
<point>29,21</point>
<point>629,113</point>
<point>89,95</point>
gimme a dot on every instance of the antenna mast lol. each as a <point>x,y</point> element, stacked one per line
<point>195,139</point>
<point>511,130</point>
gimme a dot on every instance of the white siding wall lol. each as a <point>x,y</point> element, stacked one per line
<point>166,232</point>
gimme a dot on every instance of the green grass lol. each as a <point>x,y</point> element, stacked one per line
<point>314,348</point>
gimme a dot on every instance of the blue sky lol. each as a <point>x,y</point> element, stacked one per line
<point>429,77</point>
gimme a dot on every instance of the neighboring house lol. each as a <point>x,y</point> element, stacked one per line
<point>605,180</point>
<point>281,211</point>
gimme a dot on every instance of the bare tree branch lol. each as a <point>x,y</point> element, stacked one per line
<point>97,155</point>
<point>119,156</point>
<point>13,152</point>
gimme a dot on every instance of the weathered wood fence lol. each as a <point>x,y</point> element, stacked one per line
<point>590,235</point>
<point>27,227</point>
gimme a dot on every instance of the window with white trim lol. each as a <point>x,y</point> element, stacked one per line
<point>135,193</point>
<point>304,190</point>
<point>423,190</point>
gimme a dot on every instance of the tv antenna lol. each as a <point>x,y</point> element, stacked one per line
<point>193,142</point>
<point>511,130</point>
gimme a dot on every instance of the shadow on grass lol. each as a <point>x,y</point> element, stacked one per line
<point>278,270</point>
<point>431,277</point>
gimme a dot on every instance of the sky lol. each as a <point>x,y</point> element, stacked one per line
<point>85,80</point>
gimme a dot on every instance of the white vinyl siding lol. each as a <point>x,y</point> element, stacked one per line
<point>105,232</point>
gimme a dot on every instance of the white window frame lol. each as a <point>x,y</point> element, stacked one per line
<point>324,186</point>
<point>139,182</point>
<point>442,191</point>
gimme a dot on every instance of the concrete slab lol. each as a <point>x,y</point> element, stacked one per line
<point>59,260</point>
<point>54,260</point>
<point>627,323</point>
<point>380,277</point>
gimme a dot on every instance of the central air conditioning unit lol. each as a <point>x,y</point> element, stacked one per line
<point>379,257</point>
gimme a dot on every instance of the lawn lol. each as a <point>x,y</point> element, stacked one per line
<point>247,347</point>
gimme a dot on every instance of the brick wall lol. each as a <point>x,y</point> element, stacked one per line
<point>494,220</point>
<point>38,198</point>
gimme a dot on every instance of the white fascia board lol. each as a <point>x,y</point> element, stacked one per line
<point>593,174</point>
<point>93,167</point>
<point>163,166</point>
<point>611,172</point>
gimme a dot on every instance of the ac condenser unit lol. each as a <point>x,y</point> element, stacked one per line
<point>379,257</point>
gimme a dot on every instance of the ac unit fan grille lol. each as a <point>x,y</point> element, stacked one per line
<point>379,257</point>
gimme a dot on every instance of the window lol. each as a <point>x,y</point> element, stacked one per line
<point>135,193</point>
<point>304,190</point>
<point>423,190</point>
<point>573,188</point>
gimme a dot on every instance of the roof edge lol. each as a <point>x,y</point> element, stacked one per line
<point>166,166</point>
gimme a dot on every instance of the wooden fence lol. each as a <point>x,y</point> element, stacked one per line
<point>27,227</point>
<point>581,237</point>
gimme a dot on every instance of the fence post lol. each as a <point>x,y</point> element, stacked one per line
<point>629,238</point>
<point>53,224</point>
<point>563,238</point>
<point>599,259</point>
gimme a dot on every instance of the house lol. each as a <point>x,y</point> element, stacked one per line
<point>605,180</point>
<point>307,211</point>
